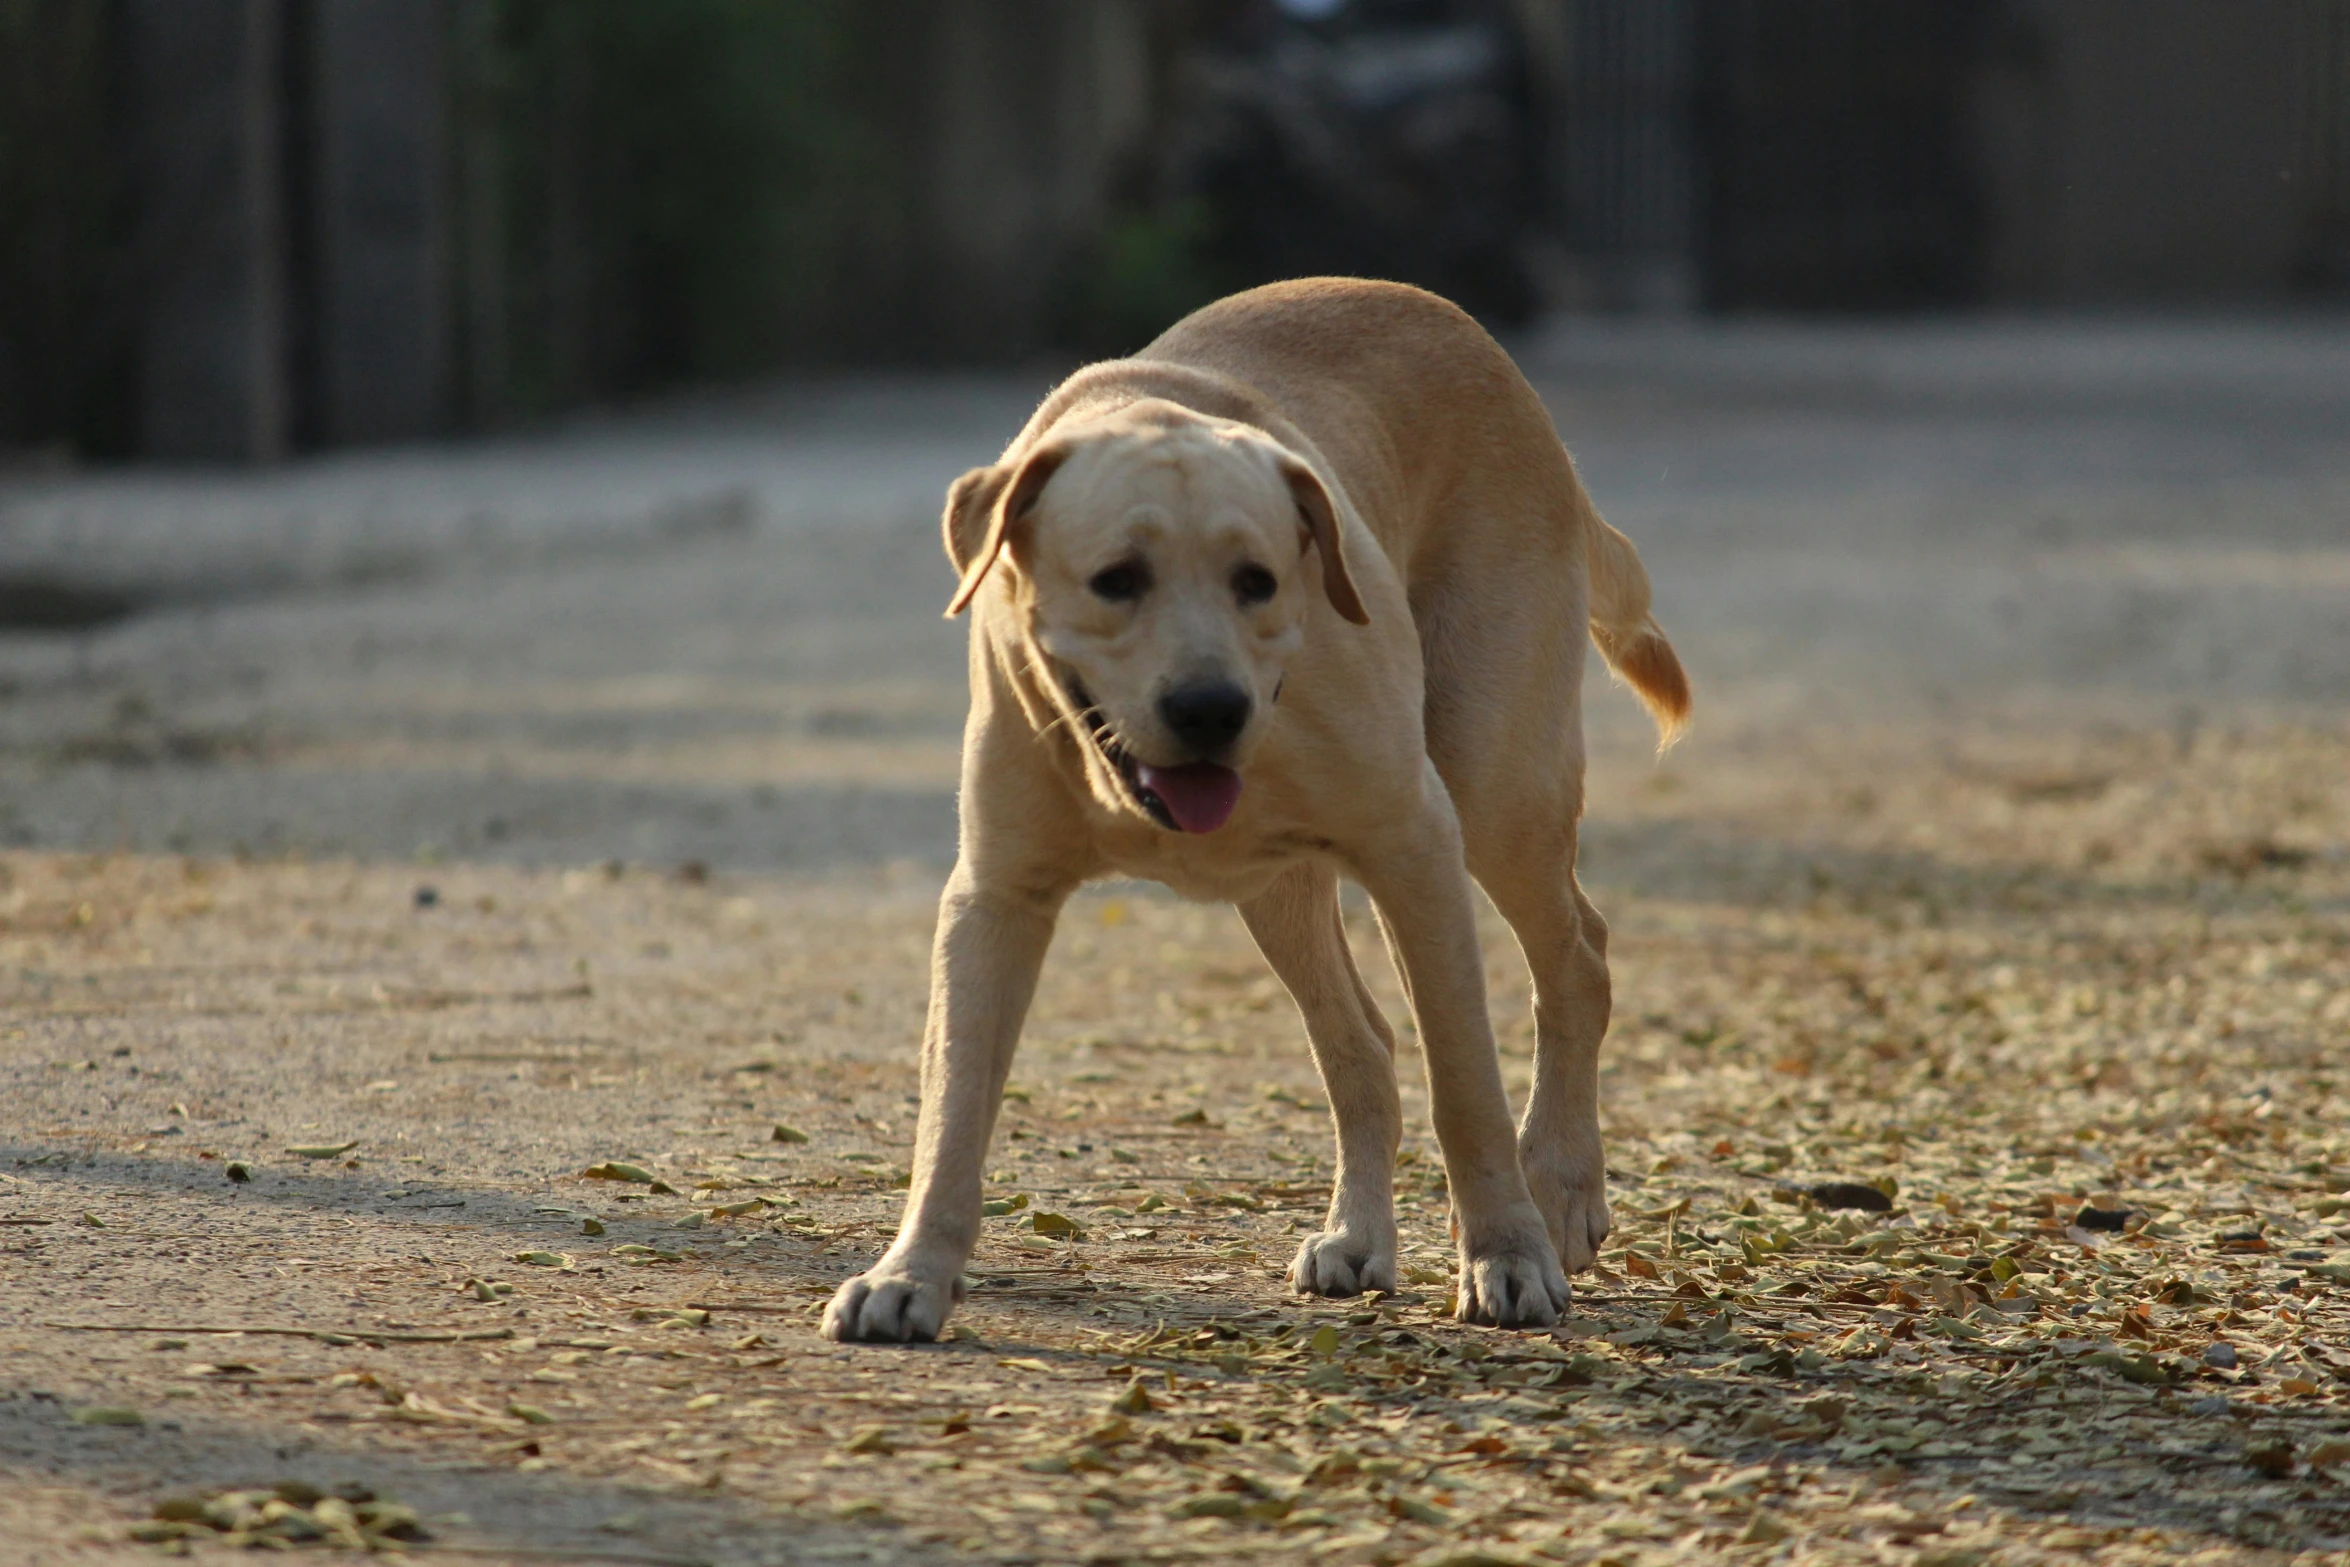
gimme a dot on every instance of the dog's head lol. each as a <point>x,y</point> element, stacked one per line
<point>1163,564</point>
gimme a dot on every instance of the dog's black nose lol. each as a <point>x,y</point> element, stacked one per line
<point>1206,716</point>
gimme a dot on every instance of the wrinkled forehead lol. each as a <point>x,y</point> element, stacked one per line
<point>1151,483</point>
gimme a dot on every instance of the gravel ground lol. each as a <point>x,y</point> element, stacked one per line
<point>509,812</point>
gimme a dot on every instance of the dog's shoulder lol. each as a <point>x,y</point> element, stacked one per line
<point>1332,322</point>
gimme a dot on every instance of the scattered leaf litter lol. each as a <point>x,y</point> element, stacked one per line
<point>1976,1159</point>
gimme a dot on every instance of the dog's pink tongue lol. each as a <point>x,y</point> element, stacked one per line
<point>1199,795</point>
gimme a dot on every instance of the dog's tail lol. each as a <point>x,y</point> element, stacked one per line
<point>1627,635</point>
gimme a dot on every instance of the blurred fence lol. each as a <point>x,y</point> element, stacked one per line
<point>234,228</point>
<point>229,228</point>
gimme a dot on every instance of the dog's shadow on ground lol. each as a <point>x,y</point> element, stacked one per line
<point>788,1277</point>
<point>437,1208</point>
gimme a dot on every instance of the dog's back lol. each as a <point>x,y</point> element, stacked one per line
<point>1448,454</point>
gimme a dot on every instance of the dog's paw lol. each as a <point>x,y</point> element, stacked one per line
<point>1570,1187</point>
<point>889,1305</point>
<point>1514,1279</point>
<point>1341,1262</point>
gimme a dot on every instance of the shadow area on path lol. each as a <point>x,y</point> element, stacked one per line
<point>753,829</point>
<point>769,829</point>
<point>789,1277</point>
<point>1700,862</point>
<point>546,1515</point>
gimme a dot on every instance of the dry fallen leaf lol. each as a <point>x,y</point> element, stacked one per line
<point>108,1415</point>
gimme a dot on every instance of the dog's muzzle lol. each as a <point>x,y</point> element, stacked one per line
<point>1191,796</point>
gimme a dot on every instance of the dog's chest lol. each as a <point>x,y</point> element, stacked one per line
<point>1231,866</point>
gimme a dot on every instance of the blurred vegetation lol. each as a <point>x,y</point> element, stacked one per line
<point>65,230</point>
<point>640,194</point>
<point>678,187</point>
<point>637,194</point>
<point>1151,268</point>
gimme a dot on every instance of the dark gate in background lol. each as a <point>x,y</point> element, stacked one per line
<point>1918,154</point>
<point>1840,169</point>
<point>1771,154</point>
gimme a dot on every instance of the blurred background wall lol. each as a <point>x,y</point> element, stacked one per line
<point>232,229</point>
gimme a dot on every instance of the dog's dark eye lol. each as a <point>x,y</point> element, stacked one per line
<point>1253,584</point>
<point>1122,583</point>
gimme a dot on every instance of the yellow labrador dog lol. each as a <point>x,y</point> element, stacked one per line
<point>1298,592</point>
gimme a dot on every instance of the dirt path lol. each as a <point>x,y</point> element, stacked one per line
<point>2007,869</point>
<point>2004,1033</point>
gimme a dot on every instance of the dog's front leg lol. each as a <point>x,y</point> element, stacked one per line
<point>983,970</point>
<point>1509,1271</point>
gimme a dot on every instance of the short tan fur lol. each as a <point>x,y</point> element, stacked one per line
<point>1337,505</point>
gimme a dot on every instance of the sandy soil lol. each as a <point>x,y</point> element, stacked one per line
<point>2009,868</point>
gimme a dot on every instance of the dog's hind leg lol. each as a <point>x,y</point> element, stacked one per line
<point>1297,926</point>
<point>1526,863</point>
<point>1509,1273</point>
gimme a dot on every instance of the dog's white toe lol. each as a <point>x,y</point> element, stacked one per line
<point>888,1308</point>
<point>1571,1191</point>
<point>1513,1280</point>
<point>1336,1263</point>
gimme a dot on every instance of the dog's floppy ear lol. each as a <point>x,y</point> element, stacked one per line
<point>981,508</point>
<point>1321,520</point>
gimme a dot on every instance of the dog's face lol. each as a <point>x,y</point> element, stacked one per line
<point>1165,566</point>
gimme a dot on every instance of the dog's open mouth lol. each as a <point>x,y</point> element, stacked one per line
<point>1196,797</point>
<point>1190,797</point>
